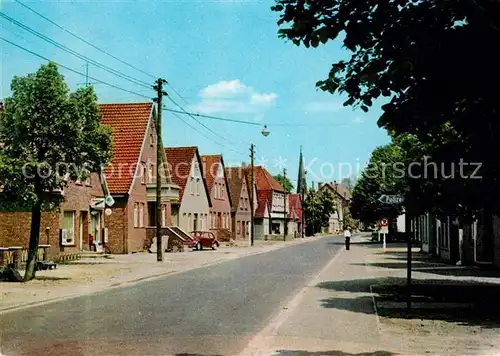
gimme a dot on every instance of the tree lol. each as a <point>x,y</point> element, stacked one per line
<point>425,75</point>
<point>50,136</point>
<point>383,175</point>
<point>318,206</point>
<point>285,182</point>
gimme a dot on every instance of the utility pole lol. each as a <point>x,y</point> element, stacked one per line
<point>252,227</point>
<point>284,209</point>
<point>159,159</point>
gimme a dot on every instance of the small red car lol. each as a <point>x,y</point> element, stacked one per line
<point>203,239</point>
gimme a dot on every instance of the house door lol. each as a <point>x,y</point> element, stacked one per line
<point>96,226</point>
<point>219,221</point>
<point>80,229</point>
<point>195,222</point>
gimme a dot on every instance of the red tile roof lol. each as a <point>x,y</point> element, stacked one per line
<point>295,204</point>
<point>263,198</point>
<point>128,123</point>
<point>210,167</point>
<point>265,181</point>
<point>179,160</point>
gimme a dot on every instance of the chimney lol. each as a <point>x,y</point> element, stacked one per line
<point>336,185</point>
<point>243,165</point>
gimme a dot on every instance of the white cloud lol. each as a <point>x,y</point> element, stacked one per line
<point>357,120</point>
<point>323,106</point>
<point>224,89</point>
<point>233,96</point>
<point>263,99</point>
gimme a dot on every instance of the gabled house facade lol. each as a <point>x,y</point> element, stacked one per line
<point>77,225</point>
<point>272,195</point>
<point>342,197</point>
<point>192,212</point>
<point>241,205</point>
<point>262,217</point>
<point>131,177</point>
<point>295,215</point>
<point>220,196</point>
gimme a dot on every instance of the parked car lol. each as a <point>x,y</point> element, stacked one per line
<point>203,239</point>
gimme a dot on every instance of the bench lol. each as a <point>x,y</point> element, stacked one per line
<point>45,265</point>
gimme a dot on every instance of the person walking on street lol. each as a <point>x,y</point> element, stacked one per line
<point>347,235</point>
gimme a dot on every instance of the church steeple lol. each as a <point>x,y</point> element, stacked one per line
<point>301,181</point>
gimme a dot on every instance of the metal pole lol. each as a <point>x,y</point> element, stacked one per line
<point>409,257</point>
<point>284,208</point>
<point>159,159</point>
<point>252,227</point>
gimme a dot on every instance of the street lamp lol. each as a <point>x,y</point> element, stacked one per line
<point>265,132</point>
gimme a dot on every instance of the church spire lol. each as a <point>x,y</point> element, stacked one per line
<point>301,181</point>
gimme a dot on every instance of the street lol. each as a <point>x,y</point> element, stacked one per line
<point>209,311</point>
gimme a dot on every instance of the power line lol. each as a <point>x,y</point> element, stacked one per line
<point>204,135</point>
<point>84,40</point>
<point>213,117</point>
<point>73,70</point>
<point>199,122</point>
<point>75,53</point>
<point>178,94</point>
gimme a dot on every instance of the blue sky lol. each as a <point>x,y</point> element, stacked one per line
<point>224,58</point>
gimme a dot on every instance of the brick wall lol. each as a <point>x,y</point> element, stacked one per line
<point>116,224</point>
<point>15,226</point>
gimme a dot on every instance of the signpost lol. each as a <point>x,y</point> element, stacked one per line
<point>395,200</point>
<point>391,199</point>
<point>384,230</point>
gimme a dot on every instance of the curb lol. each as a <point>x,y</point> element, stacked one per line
<point>14,308</point>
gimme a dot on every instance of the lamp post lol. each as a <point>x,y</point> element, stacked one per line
<point>265,132</point>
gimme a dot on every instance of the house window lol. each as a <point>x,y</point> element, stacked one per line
<point>151,140</point>
<point>136,215</point>
<point>88,181</point>
<point>238,227</point>
<point>143,173</point>
<point>141,215</point>
<point>68,230</point>
<point>150,173</point>
<point>191,188</point>
<point>197,186</point>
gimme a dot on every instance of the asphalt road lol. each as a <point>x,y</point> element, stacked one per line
<point>209,311</point>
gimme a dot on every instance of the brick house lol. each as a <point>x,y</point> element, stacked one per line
<point>240,197</point>
<point>131,177</point>
<point>74,226</point>
<point>271,196</point>
<point>295,214</point>
<point>342,197</point>
<point>218,186</point>
<point>192,210</point>
<point>262,217</point>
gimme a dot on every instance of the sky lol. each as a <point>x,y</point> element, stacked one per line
<point>224,58</point>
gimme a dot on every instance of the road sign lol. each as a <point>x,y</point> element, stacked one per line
<point>391,199</point>
<point>384,222</point>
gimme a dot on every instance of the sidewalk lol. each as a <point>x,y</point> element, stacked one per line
<point>95,274</point>
<point>351,308</point>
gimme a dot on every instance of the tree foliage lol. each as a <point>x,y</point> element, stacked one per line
<point>434,63</point>
<point>50,136</point>
<point>318,206</point>
<point>285,182</point>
